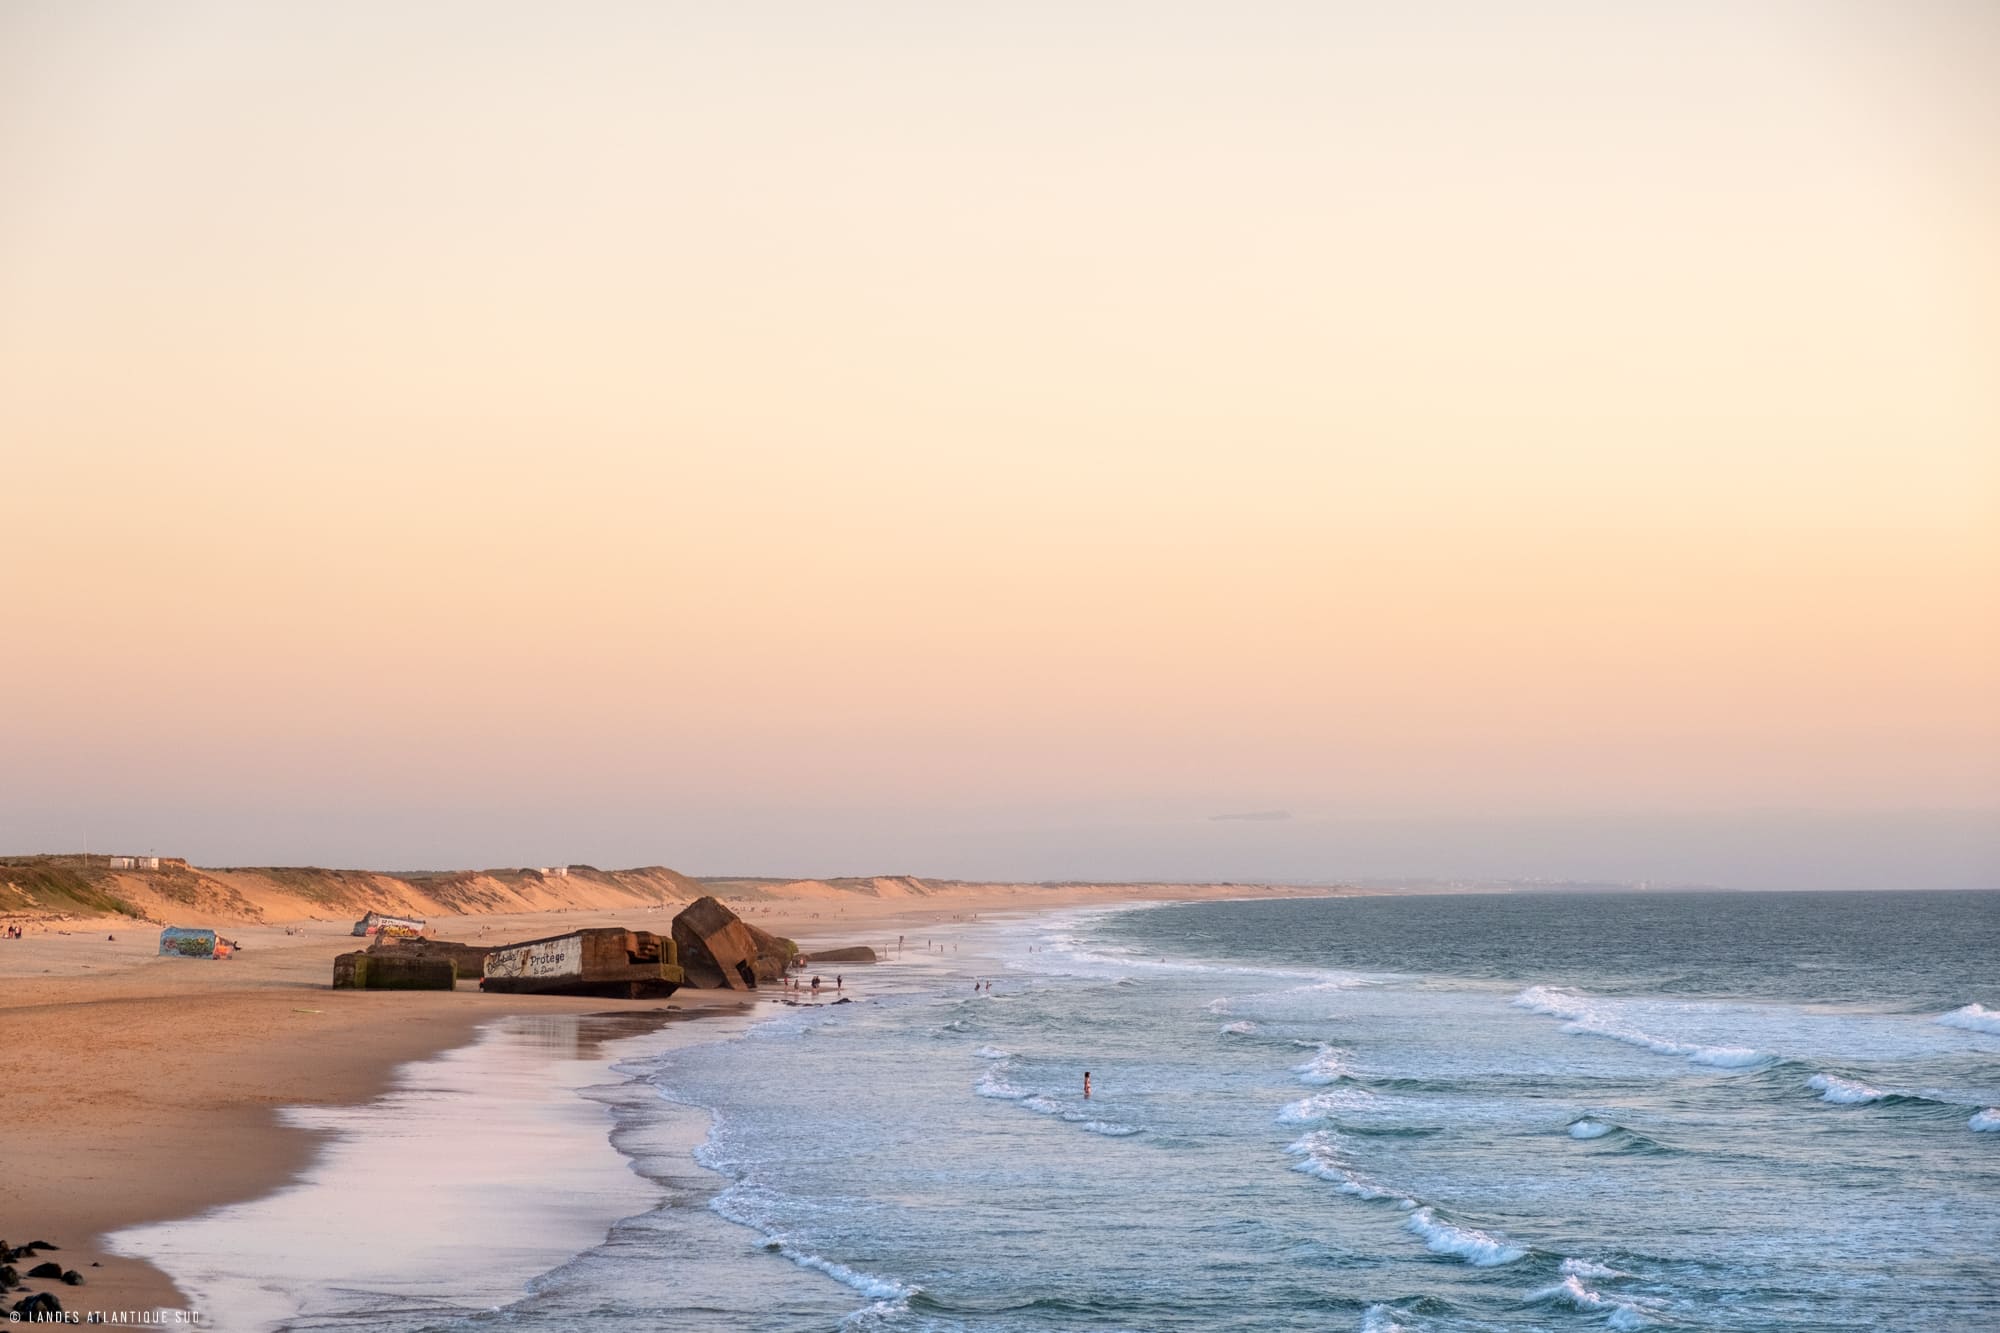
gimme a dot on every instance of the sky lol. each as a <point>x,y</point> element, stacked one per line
<point>1486,440</point>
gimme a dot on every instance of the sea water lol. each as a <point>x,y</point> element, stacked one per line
<point>1530,1111</point>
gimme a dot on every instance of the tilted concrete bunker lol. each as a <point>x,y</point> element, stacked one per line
<point>608,962</point>
<point>716,948</point>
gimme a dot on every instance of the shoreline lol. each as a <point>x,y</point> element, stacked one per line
<point>481,1169</point>
<point>159,1093</point>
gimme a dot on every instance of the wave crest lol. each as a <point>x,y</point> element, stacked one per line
<point>1319,1155</point>
<point>1324,1067</point>
<point>1474,1246</point>
<point>1843,1091</point>
<point>1620,1314</point>
<point>1973,1018</point>
<point>1583,1017</point>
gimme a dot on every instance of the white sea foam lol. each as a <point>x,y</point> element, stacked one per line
<point>992,1085</point>
<point>731,1205</point>
<point>1619,1313</point>
<point>1590,1129</point>
<point>1843,1091</point>
<point>1585,1017</point>
<point>876,1288</point>
<point>1320,1156</point>
<point>1587,1268</point>
<point>1240,1028</point>
<point>1986,1121</point>
<point>1325,1067</point>
<point>993,1053</point>
<point>1467,1243</point>
<point>1380,1319</point>
<point>1974,1018</point>
<point>1319,1106</point>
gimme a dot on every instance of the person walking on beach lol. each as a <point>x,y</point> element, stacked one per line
<point>1086,1085</point>
<point>837,982</point>
<point>815,985</point>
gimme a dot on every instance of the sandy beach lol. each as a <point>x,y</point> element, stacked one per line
<point>152,1086</point>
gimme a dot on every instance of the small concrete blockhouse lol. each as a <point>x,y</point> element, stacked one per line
<point>384,926</point>
<point>188,942</point>
<point>614,963</point>
<point>392,971</point>
<point>716,948</point>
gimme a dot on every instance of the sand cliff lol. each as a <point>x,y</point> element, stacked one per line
<point>49,889</point>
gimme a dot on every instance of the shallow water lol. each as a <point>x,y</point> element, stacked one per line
<point>1697,1111</point>
<point>1729,1112</point>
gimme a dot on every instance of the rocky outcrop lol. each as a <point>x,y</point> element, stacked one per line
<point>716,948</point>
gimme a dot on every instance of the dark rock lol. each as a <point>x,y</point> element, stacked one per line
<point>40,1245</point>
<point>8,1277</point>
<point>41,1303</point>
<point>73,1278</point>
<point>45,1270</point>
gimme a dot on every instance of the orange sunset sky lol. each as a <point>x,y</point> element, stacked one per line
<point>1500,439</point>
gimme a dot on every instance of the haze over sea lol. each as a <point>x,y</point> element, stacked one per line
<point>1439,1114</point>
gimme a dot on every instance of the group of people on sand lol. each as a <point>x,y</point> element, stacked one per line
<point>798,983</point>
<point>14,933</point>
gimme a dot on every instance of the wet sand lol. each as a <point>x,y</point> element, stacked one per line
<point>148,1089</point>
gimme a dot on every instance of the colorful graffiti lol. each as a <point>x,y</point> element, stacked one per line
<point>182,942</point>
<point>561,957</point>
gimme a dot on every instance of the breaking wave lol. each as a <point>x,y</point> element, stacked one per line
<point>1986,1121</point>
<point>1241,1028</point>
<point>875,1288</point>
<point>1973,1018</point>
<point>992,1085</point>
<point>729,1205</point>
<point>1319,1156</point>
<point>1588,1268</point>
<point>1108,1129</point>
<point>1843,1091</point>
<point>1320,1106</point>
<point>1590,1129</point>
<point>1468,1243</point>
<point>1380,1319</point>
<point>1582,1018</point>
<point>993,1053</point>
<point>1325,1067</point>
<point>1626,1313</point>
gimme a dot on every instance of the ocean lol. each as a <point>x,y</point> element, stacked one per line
<point>1430,1113</point>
